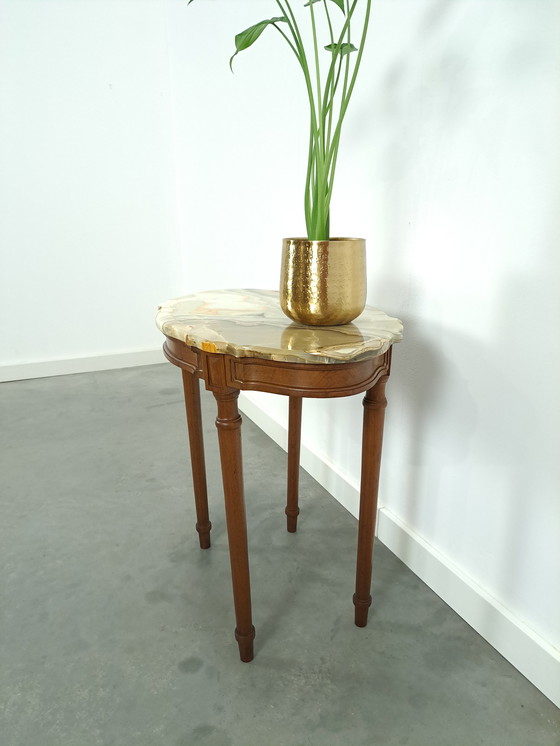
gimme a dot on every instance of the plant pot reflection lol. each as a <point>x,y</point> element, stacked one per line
<point>307,338</point>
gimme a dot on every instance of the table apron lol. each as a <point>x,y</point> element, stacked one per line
<point>326,380</point>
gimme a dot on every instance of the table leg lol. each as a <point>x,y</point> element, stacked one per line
<point>374,414</point>
<point>228,423</point>
<point>294,442</point>
<point>194,421</point>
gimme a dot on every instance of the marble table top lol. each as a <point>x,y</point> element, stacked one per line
<point>250,323</point>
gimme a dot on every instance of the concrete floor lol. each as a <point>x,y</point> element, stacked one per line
<point>117,629</point>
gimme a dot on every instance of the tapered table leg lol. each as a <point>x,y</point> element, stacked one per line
<point>294,442</point>
<point>374,414</point>
<point>194,421</point>
<point>228,423</point>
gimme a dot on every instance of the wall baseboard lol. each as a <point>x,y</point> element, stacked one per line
<point>533,656</point>
<point>317,465</point>
<point>69,366</point>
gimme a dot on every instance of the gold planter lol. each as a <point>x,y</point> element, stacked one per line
<point>323,283</point>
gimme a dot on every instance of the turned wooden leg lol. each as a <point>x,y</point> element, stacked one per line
<point>374,414</point>
<point>196,442</point>
<point>294,442</point>
<point>228,423</point>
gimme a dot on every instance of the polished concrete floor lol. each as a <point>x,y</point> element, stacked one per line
<point>117,629</point>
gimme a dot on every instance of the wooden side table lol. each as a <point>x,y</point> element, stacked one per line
<point>239,340</point>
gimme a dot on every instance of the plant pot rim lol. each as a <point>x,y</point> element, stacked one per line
<point>323,240</point>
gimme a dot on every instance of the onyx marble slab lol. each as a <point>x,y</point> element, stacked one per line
<point>250,323</point>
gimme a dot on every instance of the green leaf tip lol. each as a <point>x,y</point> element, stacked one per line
<point>343,49</point>
<point>247,38</point>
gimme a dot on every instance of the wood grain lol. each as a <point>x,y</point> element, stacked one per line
<point>294,443</point>
<point>372,439</point>
<point>191,388</point>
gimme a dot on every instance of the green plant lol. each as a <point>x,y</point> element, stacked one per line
<point>328,90</point>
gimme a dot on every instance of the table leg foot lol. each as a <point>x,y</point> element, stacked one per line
<point>291,520</point>
<point>245,643</point>
<point>361,610</point>
<point>204,534</point>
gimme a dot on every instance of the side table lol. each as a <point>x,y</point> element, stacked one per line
<point>239,340</point>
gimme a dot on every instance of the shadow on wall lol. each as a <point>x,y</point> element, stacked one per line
<point>476,450</point>
<point>476,444</point>
<point>436,418</point>
<point>435,408</point>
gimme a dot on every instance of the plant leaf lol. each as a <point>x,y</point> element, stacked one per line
<point>340,4</point>
<point>247,38</point>
<point>345,48</point>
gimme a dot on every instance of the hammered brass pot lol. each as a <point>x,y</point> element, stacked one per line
<point>323,283</point>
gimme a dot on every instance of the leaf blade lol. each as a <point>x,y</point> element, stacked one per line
<point>245,39</point>
<point>346,48</point>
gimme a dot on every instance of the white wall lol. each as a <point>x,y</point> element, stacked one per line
<point>135,167</point>
<point>241,142</point>
<point>88,210</point>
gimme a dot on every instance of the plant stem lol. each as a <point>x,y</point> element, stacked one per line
<point>348,93</point>
<point>323,142</point>
<point>320,151</point>
<point>347,70</point>
<point>294,50</point>
<point>313,140</point>
<point>332,160</point>
<point>329,164</point>
<point>330,90</point>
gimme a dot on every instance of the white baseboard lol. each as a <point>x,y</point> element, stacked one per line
<point>317,465</point>
<point>68,366</point>
<point>533,656</point>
